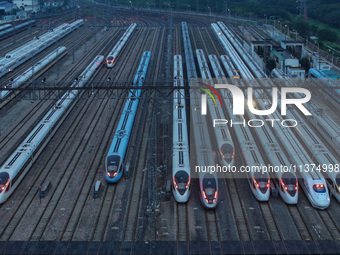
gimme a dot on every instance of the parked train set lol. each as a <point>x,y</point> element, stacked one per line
<point>7,30</point>
<point>25,52</point>
<point>281,146</point>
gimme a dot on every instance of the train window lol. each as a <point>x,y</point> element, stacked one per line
<point>262,181</point>
<point>209,191</point>
<point>113,162</point>
<point>112,168</point>
<point>4,180</point>
<point>227,152</point>
<point>289,182</point>
<point>320,188</point>
<point>209,186</point>
<point>181,181</point>
<point>337,180</point>
<point>261,177</point>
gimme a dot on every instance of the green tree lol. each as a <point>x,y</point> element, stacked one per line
<point>328,35</point>
<point>302,27</point>
<point>270,64</point>
<point>305,64</point>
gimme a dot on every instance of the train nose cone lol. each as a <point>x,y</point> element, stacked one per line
<point>227,152</point>
<point>323,202</point>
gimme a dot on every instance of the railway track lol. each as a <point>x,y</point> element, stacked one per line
<point>32,114</point>
<point>31,193</point>
<point>115,197</point>
<point>315,229</point>
<point>73,159</point>
<point>245,221</point>
<point>146,216</point>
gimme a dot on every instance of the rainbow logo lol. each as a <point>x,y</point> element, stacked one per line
<point>210,94</point>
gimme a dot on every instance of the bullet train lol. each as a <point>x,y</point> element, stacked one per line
<point>312,182</point>
<point>8,30</point>
<point>317,74</point>
<point>329,129</point>
<point>287,180</point>
<point>111,58</point>
<point>116,155</point>
<point>21,79</point>
<point>181,176</point>
<point>28,50</point>
<point>208,182</point>
<point>259,181</point>
<point>5,26</point>
<point>209,190</point>
<point>18,164</point>
<point>223,137</point>
<point>224,142</point>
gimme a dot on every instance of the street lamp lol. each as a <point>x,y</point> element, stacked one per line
<point>130,4</point>
<point>286,33</point>
<point>332,54</point>
<point>209,10</point>
<point>266,17</point>
<point>318,54</point>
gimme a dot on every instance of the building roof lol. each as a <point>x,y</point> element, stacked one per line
<point>296,68</point>
<point>54,1</point>
<point>5,4</point>
<point>331,74</point>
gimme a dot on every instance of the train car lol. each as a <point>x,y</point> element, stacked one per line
<point>3,27</point>
<point>259,181</point>
<point>9,31</point>
<point>315,188</point>
<point>181,186</point>
<point>314,73</point>
<point>208,182</point>
<point>30,49</point>
<point>287,181</point>
<point>225,144</point>
<point>223,138</point>
<point>248,60</point>
<point>317,148</point>
<point>21,79</point>
<point>111,58</point>
<point>209,190</point>
<point>226,152</point>
<point>18,164</point>
<point>312,183</point>
<point>116,155</point>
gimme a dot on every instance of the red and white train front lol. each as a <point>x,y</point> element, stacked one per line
<point>260,185</point>
<point>181,186</point>
<point>209,190</point>
<point>5,186</point>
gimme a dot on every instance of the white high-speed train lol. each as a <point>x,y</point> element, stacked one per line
<point>111,58</point>
<point>18,164</point>
<point>208,182</point>
<point>312,182</point>
<point>115,157</point>
<point>181,176</point>
<point>287,180</point>
<point>23,53</point>
<point>21,79</point>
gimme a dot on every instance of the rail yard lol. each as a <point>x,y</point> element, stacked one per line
<point>97,119</point>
